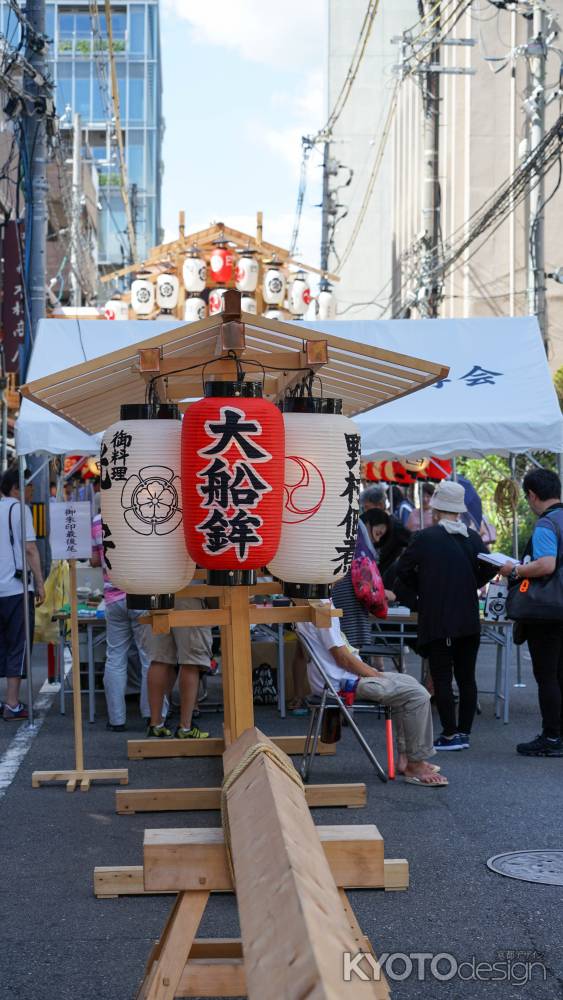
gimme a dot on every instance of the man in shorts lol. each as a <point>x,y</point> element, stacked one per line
<point>189,648</point>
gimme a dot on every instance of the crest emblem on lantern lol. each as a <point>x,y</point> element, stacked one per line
<point>166,289</point>
<point>304,490</point>
<point>143,295</point>
<point>151,501</point>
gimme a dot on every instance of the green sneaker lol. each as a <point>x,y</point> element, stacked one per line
<point>158,733</point>
<point>190,734</point>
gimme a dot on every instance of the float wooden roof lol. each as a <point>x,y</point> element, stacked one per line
<point>89,395</point>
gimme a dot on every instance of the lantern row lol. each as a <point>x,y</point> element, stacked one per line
<point>240,484</point>
<point>279,296</point>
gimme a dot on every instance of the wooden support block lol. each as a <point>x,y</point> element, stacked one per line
<point>168,958</point>
<point>216,978</point>
<point>216,948</point>
<point>189,859</point>
<point>132,800</point>
<point>83,778</point>
<point>211,747</point>
<point>396,874</point>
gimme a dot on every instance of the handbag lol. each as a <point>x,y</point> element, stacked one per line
<point>368,586</point>
<point>540,599</point>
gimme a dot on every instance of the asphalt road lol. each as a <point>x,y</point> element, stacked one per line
<point>58,941</point>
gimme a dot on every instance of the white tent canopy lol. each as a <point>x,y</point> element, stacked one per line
<point>60,344</point>
<point>499,397</point>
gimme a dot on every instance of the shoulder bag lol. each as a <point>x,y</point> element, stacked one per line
<point>540,599</point>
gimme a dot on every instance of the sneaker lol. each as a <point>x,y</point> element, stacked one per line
<point>465,741</point>
<point>448,743</point>
<point>116,729</point>
<point>19,712</point>
<point>158,733</point>
<point>190,734</point>
<point>542,746</point>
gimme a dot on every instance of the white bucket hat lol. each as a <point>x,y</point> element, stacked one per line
<point>450,497</point>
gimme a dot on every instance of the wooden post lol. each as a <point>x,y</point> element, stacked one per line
<point>236,663</point>
<point>76,693</point>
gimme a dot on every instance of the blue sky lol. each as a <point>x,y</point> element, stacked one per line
<point>242,81</point>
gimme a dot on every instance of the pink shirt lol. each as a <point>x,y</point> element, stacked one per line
<point>111,593</point>
<point>413,523</point>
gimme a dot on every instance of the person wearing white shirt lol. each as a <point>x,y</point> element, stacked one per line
<point>12,630</point>
<point>409,700</point>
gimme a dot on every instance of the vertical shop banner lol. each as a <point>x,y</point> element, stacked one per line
<point>12,328</point>
<point>70,534</point>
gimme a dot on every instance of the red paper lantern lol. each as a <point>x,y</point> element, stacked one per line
<point>232,480</point>
<point>222,262</point>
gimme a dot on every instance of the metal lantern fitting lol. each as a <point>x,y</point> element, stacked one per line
<point>195,308</point>
<point>273,288</point>
<point>232,471</point>
<point>321,491</point>
<point>194,271</point>
<point>221,262</point>
<point>299,294</point>
<point>247,271</point>
<point>116,309</point>
<point>141,506</point>
<point>248,303</point>
<point>216,301</point>
<point>142,295</point>
<point>167,289</point>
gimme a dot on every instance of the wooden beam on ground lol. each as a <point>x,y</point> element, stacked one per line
<point>135,800</point>
<point>211,747</point>
<point>188,859</point>
<point>295,947</point>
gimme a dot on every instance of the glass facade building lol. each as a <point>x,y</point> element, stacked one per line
<point>79,64</point>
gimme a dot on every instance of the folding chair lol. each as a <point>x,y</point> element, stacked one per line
<point>331,699</point>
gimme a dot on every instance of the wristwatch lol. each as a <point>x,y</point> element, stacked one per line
<point>514,574</point>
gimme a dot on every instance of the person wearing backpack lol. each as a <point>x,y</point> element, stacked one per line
<point>543,555</point>
<point>12,628</point>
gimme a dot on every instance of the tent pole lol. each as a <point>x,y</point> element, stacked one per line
<point>26,615</point>
<point>421,504</point>
<point>560,468</point>
<point>454,469</point>
<point>512,465</point>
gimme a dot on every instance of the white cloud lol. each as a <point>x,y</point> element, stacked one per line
<point>305,110</point>
<point>288,34</point>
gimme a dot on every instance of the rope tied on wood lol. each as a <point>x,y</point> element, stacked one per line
<point>279,758</point>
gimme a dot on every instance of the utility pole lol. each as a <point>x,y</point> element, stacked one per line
<point>536,229</point>
<point>430,300</point>
<point>76,297</point>
<point>325,222</point>
<point>34,135</point>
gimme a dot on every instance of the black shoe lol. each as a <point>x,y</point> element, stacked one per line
<point>116,729</point>
<point>465,741</point>
<point>542,746</point>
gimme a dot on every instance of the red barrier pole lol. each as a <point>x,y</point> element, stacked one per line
<point>390,748</point>
<point>51,669</point>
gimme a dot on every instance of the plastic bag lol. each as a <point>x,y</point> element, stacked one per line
<point>57,593</point>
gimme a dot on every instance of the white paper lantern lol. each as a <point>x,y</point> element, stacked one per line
<point>248,304</point>
<point>299,294</point>
<point>194,308</point>
<point>216,301</point>
<point>274,314</point>
<point>167,289</point>
<point>116,309</point>
<point>312,310</point>
<point>194,271</point>
<point>326,301</point>
<point>247,271</point>
<point>273,288</point>
<point>143,534</point>
<point>142,296</point>
<point>321,491</point>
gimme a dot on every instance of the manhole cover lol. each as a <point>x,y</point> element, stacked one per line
<point>530,866</point>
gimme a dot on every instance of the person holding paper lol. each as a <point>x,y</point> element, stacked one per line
<point>12,629</point>
<point>542,489</point>
<point>439,576</point>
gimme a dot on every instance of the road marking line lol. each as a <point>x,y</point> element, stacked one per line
<point>17,750</point>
